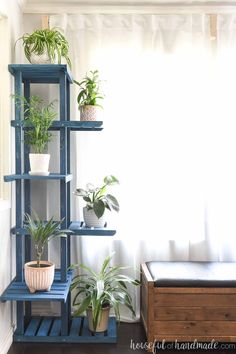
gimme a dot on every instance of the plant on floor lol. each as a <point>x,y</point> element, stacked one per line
<point>39,274</point>
<point>89,95</point>
<point>98,292</point>
<point>38,119</point>
<point>44,46</point>
<point>97,201</point>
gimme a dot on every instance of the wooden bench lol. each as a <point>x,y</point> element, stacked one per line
<point>187,301</point>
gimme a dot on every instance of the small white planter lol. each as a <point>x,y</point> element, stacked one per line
<point>89,113</point>
<point>39,278</point>
<point>91,219</point>
<point>103,324</point>
<point>39,164</point>
<point>40,59</point>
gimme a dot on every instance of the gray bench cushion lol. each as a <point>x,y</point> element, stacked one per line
<point>193,274</point>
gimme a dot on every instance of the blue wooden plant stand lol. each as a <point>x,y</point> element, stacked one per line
<point>48,329</point>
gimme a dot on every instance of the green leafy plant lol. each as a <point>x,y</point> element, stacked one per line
<point>42,232</point>
<point>105,288</point>
<point>89,90</point>
<point>38,119</point>
<point>46,40</point>
<point>97,198</point>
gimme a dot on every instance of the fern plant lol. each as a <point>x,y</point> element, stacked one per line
<point>46,40</point>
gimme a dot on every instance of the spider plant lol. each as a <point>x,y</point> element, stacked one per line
<point>42,232</point>
<point>46,40</point>
<point>108,287</point>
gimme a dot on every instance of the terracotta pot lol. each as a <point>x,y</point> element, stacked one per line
<point>88,113</point>
<point>39,278</point>
<point>39,164</point>
<point>103,324</point>
<point>91,219</point>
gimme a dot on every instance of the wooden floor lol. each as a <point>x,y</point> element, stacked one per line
<point>126,333</point>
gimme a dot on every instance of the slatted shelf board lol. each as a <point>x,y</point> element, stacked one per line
<point>73,125</point>
<point>79,228</point>
<point>51,176</point>
<point>48,329</point>
<point>18,291</point>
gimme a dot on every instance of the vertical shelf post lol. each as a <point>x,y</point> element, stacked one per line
<point>19,211</point>
<point>27,200</point>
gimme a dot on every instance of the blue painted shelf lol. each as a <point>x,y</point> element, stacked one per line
<point>79,228</point>
<point>48,329</point>
<point>73,125</point>
<point>37,73</point>
<point>18,291</point>
<point>51,176</point>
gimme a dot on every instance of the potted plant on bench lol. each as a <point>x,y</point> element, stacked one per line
<point>88,96</point>
<point>39,274</point>
<point>38,120</point>
<point>97,201</point>
<point>98,292</point>
<point>45,46</point>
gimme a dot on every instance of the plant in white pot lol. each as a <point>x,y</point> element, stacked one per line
<point>89,95</point>
<point>39,274</point>
<point>45,46</point>
<point>98,292</point>
<point>97,201</point>
<point>38,119</point>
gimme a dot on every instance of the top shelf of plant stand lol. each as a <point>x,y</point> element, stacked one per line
<point>52,176</point>
<point>41,73</point>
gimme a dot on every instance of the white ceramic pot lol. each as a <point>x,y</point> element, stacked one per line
<point>88,113</point>
<point>91,219</point>
<point>40,59</point>
<point>39,278</point>
<point>39,164</point>
<point>103,324</point>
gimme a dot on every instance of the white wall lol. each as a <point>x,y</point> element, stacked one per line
<point>5,277</point>
<point>12,23</point>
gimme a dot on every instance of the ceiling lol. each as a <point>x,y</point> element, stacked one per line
<point>72,6</point>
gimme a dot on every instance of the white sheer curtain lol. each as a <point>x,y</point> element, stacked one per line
<point>169,135</point>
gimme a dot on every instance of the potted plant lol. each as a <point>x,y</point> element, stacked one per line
<point>98,292</point>
<point>45,46</point>
<point>97,201</point>
<point>88,96</point>
<point>38,119</point>
<point>39,274</point>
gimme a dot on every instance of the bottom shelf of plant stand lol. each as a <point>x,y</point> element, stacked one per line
<point>48,329</point>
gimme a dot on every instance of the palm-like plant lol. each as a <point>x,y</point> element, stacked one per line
<point>99,290</point>
<point>46,40</point>
<point>89,90</point>
<point>97,197</point>
<point>38,119</point>
<point>42,232</point>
